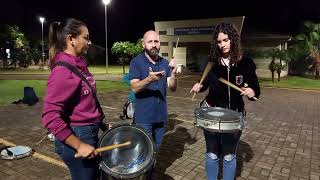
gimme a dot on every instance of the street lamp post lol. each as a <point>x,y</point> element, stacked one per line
<point>106,2</point>
<point>42,43</point>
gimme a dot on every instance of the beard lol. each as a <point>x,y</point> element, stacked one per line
<point>154,52</point>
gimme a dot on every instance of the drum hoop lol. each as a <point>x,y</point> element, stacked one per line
<point>216,119</point>
<point>107,170</point>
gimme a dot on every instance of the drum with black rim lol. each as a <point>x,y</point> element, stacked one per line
<point>218,119</point>
<point>134,161</point>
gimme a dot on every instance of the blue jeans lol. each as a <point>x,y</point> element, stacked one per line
<point>156,130</point>
<point>221,145</point>
<point>80,169</point>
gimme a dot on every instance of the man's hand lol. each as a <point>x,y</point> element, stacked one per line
<point>155,76</point>
<point>173,65</point>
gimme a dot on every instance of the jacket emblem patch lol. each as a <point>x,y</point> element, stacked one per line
<point>239,79</point>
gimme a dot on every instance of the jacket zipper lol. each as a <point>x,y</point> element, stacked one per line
<point>228,69</point>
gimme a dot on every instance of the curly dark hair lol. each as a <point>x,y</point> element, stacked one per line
<point>235,44</point>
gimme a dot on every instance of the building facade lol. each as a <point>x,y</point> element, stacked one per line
<point>189,42</point>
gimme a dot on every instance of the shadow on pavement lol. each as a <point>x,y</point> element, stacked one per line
<point>244,154</point>
<point>173,145</point>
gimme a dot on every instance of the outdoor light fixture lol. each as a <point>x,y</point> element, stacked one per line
<point>42,43</point>
<point>106,2</point>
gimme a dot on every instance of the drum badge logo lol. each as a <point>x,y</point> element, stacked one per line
<point>239,79</point>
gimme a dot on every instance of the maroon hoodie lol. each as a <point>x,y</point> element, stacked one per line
<point>69,98</point>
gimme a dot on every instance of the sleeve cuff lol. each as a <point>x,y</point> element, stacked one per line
<point>63,135</point>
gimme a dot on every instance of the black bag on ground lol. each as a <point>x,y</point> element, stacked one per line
<point>29,97</point>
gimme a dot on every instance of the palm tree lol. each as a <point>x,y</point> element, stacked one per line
<point>273,53</point>
<point>308,43</point>
<point>284,58</point>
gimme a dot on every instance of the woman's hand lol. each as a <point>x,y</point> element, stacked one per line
<point>248,92</point>
<point>85,151</point>
<point>196,88</point>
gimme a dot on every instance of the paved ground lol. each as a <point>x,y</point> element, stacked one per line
<point>281,140</point>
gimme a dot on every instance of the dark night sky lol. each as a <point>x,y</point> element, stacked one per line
<point>129,19</point>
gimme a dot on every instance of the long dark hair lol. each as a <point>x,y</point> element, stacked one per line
<point>235,44</point>
<point>58,33</point>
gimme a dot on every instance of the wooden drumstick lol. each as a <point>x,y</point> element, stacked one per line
<point>175,49</point>
<point>233,86</point>
<point>106,148</point>
<point>205,73</point>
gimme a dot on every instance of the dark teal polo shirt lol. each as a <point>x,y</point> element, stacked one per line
<point>151,103</point>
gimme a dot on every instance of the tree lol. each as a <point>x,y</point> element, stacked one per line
<point>138,47</point>
<point>283,56</point>
<point>18,37</point>
<point>308,44</point>
<point>125,51</point>
<point>20,44</point>
<point>272,66</point>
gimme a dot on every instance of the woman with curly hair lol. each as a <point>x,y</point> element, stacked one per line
<point>229,64</point>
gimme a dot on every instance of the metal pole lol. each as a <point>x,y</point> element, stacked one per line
<point>106,27</point>
<point>42,43</point>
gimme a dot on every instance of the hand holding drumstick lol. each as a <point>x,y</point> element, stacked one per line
<point>244,91</point>
<point>99,150</point>
<point>106,148</point>
<point>196,88</point>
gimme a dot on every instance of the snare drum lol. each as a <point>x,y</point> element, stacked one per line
<point>218,119</point>
<point>128,162</point>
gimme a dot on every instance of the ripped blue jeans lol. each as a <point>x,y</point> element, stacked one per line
<point>221,146</point>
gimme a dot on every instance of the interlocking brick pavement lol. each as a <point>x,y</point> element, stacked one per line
<point>280,141</point>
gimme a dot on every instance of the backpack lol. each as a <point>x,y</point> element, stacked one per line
<point>29,96</point>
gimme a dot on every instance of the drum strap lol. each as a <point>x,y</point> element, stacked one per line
<point>80,75</point>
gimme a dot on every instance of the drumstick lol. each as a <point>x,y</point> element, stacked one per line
<point>233,86</point>
<point>106,148</point>
<point>175,49</point>
<point>205,73</point>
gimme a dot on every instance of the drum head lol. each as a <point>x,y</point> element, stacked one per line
<point>217,114</point>
<point>128,161</point>
<point>129,110</point>
<point>15,152</point>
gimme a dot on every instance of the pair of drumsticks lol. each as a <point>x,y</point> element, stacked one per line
<point>205,73</point>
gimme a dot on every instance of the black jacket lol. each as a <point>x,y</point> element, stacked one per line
<point>240,73</point>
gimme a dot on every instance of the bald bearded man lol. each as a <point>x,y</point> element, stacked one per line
<point>149,75</point>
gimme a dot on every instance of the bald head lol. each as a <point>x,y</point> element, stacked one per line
<point>149,34</point>
<point>151,43</point>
